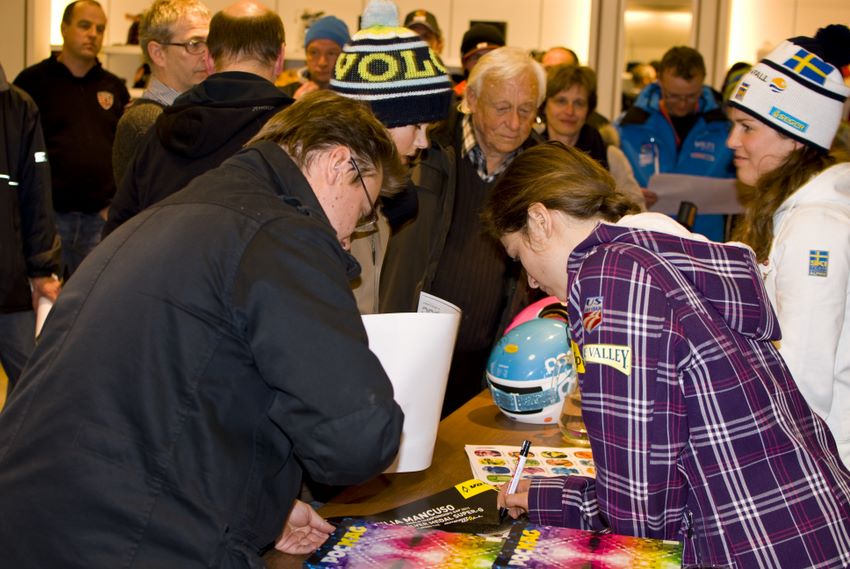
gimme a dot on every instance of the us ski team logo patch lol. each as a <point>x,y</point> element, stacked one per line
<point>592,313</point>
<point>106,99</point>
<point>818,263</point>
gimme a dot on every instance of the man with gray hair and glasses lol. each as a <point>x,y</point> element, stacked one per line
<point>173,37</point>
<point>444,251</point>
<point>211,121</point>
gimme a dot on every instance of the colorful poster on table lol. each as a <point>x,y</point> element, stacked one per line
<point>546,547</point>
<point>357,544</point>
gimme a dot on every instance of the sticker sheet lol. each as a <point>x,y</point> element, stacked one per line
<point>495,464</point>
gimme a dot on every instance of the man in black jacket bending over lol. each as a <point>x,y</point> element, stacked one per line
<point>207,351</point>
<point>211,121</point>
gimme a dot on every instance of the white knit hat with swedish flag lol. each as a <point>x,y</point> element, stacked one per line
<point>798,88</point>
<point>393,70</point>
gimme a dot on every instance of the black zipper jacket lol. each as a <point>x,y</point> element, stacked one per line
<point>205,126</point>
<point>203,355</point>
<point>29,246</point>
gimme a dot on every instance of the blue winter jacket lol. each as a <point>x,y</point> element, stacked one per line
<point>645,133</point>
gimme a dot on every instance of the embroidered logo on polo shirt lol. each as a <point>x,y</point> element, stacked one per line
<point>611,355</point>
<point>106,99</point>
<point>818,263</point>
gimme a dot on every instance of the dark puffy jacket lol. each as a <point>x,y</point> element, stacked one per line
<point>416,248</point>
<point>201,356</point>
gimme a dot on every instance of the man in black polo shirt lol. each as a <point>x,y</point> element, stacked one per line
<point>80,104</point>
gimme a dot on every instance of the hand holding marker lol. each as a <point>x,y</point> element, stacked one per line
<point>520,465</point>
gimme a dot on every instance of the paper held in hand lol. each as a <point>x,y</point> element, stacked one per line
<point>44,306</point>
<point>710,195</point>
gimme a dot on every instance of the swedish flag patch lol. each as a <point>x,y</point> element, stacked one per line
<point>809,66</point>
<point>818,263</point>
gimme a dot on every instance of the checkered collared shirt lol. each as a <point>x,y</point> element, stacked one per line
<point>472,150</point>
<point>160,92</point>
<point>699,433</point>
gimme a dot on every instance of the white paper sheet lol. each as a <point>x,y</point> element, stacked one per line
<point>416,352</point>
<point>44,306</point>
<point>710,195</point>
<point>431,303</point>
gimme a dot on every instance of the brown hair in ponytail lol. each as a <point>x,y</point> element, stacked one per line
<point>559,178</point>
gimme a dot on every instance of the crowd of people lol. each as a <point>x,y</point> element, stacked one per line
<point>211,245</point>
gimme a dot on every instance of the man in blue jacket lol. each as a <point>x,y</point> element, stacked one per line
<point>677,125</point>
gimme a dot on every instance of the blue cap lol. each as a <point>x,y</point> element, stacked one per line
<point>328,28</point>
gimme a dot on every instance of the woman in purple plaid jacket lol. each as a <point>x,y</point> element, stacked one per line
<point>698,432</point>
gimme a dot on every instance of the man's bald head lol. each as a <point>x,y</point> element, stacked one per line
<point>246,30</point>
<point>559,56</point>
<point>246,9</point>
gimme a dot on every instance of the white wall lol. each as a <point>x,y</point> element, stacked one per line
<point>291,12</point>
<point>756,25</point>
<point>650,33</point>
<point>534,24</point>
<point>567,23</point>
<point>12,30</point>
<point>724,31</point>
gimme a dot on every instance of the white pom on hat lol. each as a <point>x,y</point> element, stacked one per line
<point>380,13</point>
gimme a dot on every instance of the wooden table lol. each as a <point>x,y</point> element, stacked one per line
<point>478,422</point>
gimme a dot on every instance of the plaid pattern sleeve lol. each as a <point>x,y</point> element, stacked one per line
<point>568,502</point>
<point>697,430</point>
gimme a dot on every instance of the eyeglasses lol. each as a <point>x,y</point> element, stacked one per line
<point>366,223</point>
<point>192,47</point>
<point>690,98</point>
